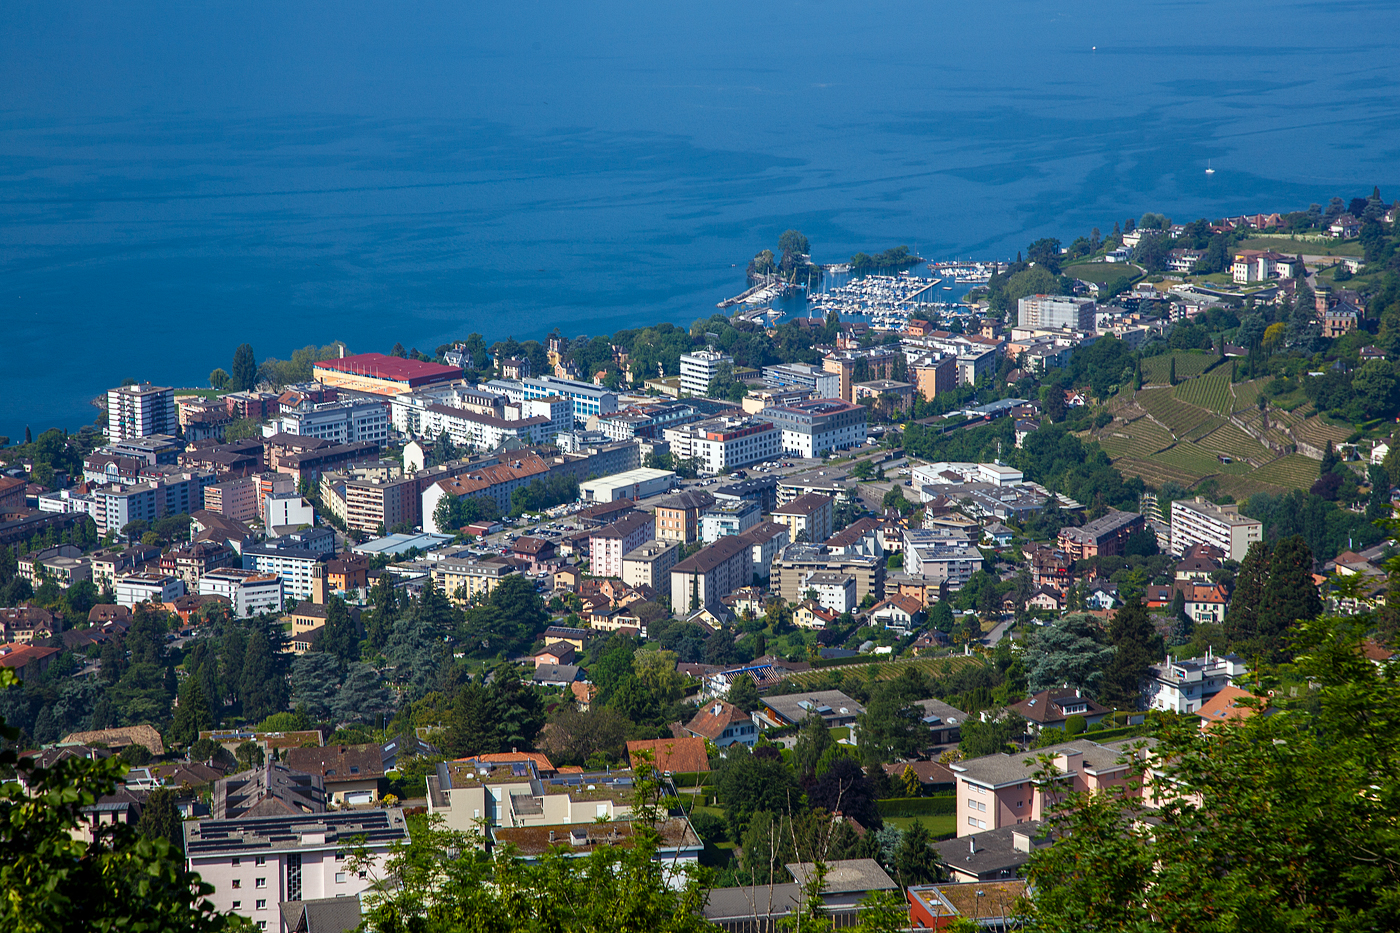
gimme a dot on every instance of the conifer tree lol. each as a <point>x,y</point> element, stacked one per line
<point>245,368</point>
<point>1136,645</point>
<point>192,716</point>
<point>1242,618</point>
<point>1289,595</point>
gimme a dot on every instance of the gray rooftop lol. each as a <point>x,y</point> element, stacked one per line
<point>999,770</point>
<point>846,876</point>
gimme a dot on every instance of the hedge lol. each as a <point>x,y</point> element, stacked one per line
<point>918,806</point>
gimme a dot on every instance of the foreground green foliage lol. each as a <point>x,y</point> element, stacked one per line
<point>1280,822</point>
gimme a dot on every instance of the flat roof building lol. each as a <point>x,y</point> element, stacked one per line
<point>632,484</point>
<point>381,374</point>
<point>1196,521</point>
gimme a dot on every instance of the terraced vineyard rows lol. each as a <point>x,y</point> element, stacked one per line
<point>1141,438</point>
<point>1197,459</point>
<point>1157,369</point>
<point>1294,471</point>
<point>1155,473</point>
<point>1211,392</point>
<point>1231,441</point>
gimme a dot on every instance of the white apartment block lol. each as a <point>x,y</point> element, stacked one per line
<point>298,568</point>
<point>283,509</point>
<point>698,368</point>
<point>835,590</point>
<point>346,422</point>
<point>1196,521</point>
<point>816,426</point>
<point>247,591</point>
<point>725,443</point>
<point>587,399</point>
<point>1057,311</point>
<point>256,863</point>
<point>140,411</point>
<point>133,588</point>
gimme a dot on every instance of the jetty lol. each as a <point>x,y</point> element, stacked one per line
<point>765,291</point>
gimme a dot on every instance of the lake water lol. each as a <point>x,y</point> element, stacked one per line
<point>179,178</point>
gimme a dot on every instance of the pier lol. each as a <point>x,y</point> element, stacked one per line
<point>771,287</point>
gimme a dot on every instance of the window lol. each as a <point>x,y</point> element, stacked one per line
<point>260,883</point>
<point>1018,805</point>
<point>237,883</point>
<point>237,904</point>
<point>237,861</point>
<point>262,905</point>
<point>262,924</point>
<point>340,877</point>
<point>260,860</point>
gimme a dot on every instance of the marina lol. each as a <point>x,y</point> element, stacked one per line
<point>965,272</point>
<point>888,300</point>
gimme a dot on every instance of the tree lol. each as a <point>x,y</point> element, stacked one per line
<point>192,716</point>
<point>316,679</point>
<point>892,725</point>
<point>1171,378</point>
<point>571,737</point>
<point>813,740</point>
<point>249,755</point>
<point>1242,616</point>
<point>656,669</point>
<point>364,697</point>
<point>992,737</point>
<point>1289,596</point>
<point>1067,652</point>
<point>470,730</point>
<point>339,636</point>
<point>219,379</point>
<point>1320,853</point>
<point>1136,645</point>
<point>916,861</point>
<point>161,820</point>
<point>245,369</point>
<point>748,783</point>
<point>844,789</point>
<point>743,693</point>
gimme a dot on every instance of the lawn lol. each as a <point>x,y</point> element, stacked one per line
<point>1102,273</point>
<point>1291,247</point>
<point>945,825</point>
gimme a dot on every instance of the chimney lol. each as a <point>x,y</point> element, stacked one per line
<point>972,845</point>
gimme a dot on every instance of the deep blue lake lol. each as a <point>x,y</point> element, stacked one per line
<point>180,178</point>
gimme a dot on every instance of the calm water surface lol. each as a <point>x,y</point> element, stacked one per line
<point>179,178</point>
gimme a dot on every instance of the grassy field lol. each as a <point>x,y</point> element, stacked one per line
<point>1157,369</point>
<point>938,826</point>
<point>1102,273</point>
<point>1291,247</point>
<point>886,670</point>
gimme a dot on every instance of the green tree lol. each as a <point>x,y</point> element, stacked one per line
<point>749,783</point>
<point>364,697</point>
<point>245,369</point>
<point>813,740</point>
<point>192,716</point>
<point>916,861</point>
<point>990,738</point>
<point>743,693</point>
<point>1067,652</point>
<point>892,725</point>
<point>161,820</point>
<point>1317,782</point>
<point>1136,646</point>
<point>340,635</point>
<point>218,379</point>
<point>1290,595</point>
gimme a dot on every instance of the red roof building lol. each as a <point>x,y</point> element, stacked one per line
<point>383,375</point>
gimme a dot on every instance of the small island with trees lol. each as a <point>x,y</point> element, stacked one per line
<point>891,260</point>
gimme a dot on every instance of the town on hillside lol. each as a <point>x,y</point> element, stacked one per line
<point>834,609</point>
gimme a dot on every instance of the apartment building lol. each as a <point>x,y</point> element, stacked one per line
<point>1102,537</point>
<point>608,545</point>
<point>464,580</point>
<point>1000,790</point>
<point>1056,311</point>
<point>678,516</point>
<point>585,399</point>
<point>495,482</point>
<point>935,559</point>
<point>1196,521</point>
<point>248,592</point>
<point>255,864</point>
<point>297,566</point>
<point>825,482</point>
<point>728,517</point>
<point>808,517</point>
<point>795,561</point>
<point>509,790</point>
<point>699,368</point>
<point>645,421</point>
<point>720,444</point>
<point>766,541</point>
<point>650,564</point>
<point>715,571</point>
<point>817,426</point>
<point>150,586</point>
<point>934,375</point>
<point>340,422</point>
<point>141,410</point>
<point>853,366</point>
<point>804,376</point>
<point>477,431</point>
<point>236,499</point>
<point>192,561</point>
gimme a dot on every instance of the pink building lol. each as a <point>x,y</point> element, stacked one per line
<point>606,545</point>
<point>999,790</point>
<point>257,863</point>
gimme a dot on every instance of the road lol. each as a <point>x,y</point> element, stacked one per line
<point>996,634</point>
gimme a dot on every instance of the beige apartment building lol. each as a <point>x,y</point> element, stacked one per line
<point>808,517</point>
<point>465,580</point>
<point>1196,521</point>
